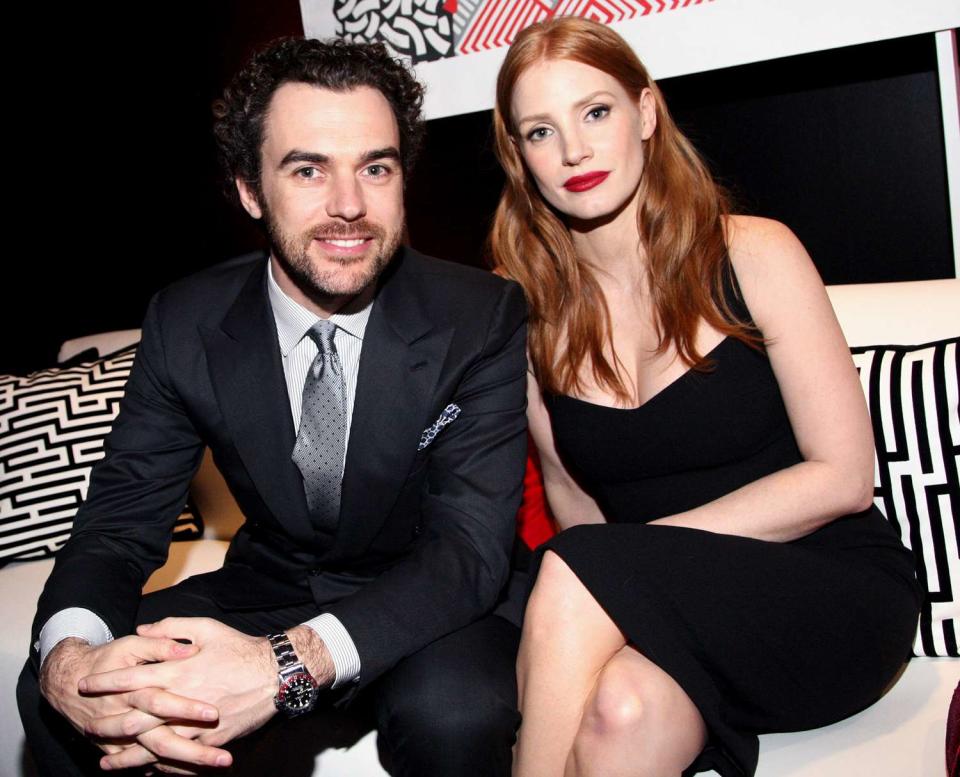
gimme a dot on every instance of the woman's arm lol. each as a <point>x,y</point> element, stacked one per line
<point>821,392</point>
<point>569,503</point>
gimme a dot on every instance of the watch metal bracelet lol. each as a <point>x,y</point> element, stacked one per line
<point>297,689</point>
<point>284,652</point>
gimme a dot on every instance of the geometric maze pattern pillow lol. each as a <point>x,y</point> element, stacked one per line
<point>52,429</point>
<point>913,395</point>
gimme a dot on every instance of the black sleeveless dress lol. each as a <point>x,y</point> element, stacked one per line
<point>762,636</point>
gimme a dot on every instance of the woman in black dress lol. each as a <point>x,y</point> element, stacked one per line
<point>705,444</point>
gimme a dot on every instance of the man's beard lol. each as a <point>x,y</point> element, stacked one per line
<point>293,253</point>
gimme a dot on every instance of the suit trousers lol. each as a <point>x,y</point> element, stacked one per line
<point>449,709</point>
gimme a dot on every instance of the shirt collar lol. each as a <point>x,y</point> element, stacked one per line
<point>294,320</point>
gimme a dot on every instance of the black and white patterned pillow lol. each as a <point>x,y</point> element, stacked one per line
<point>52,428</point>
<point>913,395</point>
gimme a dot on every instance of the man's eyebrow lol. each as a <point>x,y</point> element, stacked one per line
<point>578,104</point>
<point>388,152</point>
<point>296,155</point>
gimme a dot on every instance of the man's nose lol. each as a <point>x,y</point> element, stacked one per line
<point>346,199</point>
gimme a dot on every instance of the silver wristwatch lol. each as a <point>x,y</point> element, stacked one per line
<point>298,689</point>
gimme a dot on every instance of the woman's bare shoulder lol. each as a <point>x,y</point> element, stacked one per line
<point>763,250</point>
<point>753,239</point>
<point>772,266</point>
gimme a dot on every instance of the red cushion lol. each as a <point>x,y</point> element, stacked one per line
<point>534,522</point>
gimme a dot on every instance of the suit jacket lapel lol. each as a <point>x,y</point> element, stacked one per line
<point>247,376</point>
<point>399,367</point>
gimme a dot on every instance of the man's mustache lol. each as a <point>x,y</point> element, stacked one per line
<point>355,230</point>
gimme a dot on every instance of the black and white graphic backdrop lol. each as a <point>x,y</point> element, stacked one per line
<point>457,45</point>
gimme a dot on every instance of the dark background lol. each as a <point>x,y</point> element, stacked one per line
<point>116,190</point>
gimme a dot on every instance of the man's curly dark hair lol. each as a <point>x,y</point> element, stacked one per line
<point>335,65</point>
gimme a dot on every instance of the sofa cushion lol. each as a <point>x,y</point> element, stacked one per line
<point>208,491</point>
<point>912,392</point>
<point>535,524</point>
<point>52,429</point>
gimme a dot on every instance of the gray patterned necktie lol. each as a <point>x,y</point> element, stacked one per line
<point>319,450</point>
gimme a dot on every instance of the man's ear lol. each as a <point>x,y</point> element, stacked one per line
<point>248,198</point>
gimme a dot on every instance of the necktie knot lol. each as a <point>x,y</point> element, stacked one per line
<point>322,334</point>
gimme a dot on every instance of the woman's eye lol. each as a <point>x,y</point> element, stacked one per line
<point>598,112</point>
<point>539,133</point>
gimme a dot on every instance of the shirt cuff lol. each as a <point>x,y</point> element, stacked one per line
<point>346,660</point>
<point>72,622</point>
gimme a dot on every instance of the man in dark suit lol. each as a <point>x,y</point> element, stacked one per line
<point>366,406</point>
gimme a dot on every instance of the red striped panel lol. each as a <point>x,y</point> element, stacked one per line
<point>497,22</point>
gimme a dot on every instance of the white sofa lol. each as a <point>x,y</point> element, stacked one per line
<point>900,736</point>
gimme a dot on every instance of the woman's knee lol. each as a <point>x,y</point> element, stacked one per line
<point>619,704</point>
<point>635,704</point>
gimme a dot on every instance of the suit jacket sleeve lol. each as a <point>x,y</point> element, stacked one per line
<point>122,531</point>
<point>472,491</point>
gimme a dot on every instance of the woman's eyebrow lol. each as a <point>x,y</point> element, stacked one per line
<point>578,104</point>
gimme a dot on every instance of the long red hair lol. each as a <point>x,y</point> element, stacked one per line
<point>680,223</point>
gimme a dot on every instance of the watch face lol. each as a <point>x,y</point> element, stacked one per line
<point>297,694</point>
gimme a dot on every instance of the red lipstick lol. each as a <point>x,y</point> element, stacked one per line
<point>581,183</point>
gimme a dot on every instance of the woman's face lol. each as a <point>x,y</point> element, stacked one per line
<point>581,136</point>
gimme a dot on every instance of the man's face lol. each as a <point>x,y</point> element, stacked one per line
<point>331,191</point>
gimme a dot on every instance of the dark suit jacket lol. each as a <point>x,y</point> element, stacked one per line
<point>423,542</point>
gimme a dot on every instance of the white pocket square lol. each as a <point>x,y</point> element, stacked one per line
<point>449,414</point>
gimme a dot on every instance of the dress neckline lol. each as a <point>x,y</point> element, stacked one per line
<point>681,378</point>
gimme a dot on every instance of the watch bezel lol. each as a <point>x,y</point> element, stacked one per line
<point>297,693</point>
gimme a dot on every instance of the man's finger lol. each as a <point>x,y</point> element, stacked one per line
<point>128,758</point>
<point>130,678</point>
<point>149,649</point>
<point>122,726</point>
<point>162,744</point>
<point>170,706</point>
<point>170,746</point>
<point>171,769</point>
<point>175,628</point>
<point>152,707</point>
